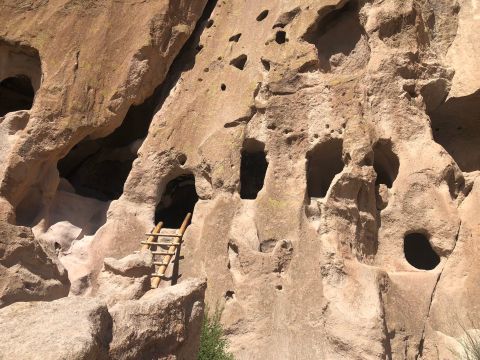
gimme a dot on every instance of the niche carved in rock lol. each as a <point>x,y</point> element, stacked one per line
<point>340,40</point>
<point>324,161</point>
<point>253,168</point>
<point>20,77</point>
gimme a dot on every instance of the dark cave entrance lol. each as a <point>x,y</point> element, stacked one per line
<point>16,93</point>
<point>178,199</point>
<point>99,168</point>
<point>385,163</point>
<point>253,168</point>
<point>419,252</point>
<point>20,77</point>
<point>324,161</point>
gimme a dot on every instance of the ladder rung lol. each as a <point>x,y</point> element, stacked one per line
<point>159,276</point>
<point>163,253</point>
<point>159,243</point>
<point>159,263</point>
<point>163,235</point>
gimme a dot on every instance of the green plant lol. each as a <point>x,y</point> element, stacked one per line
<point>213,344</point>
<point>470,343</point>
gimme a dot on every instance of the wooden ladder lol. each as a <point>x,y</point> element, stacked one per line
<point>157,242</point>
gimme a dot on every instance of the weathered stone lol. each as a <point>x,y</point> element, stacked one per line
<point>70,328</point>
<point>125,279</point>
<point>332,147</point>
<point>164,322</point>
<point>27,272</point>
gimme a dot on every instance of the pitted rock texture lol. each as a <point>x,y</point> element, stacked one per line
<point>333,147</point>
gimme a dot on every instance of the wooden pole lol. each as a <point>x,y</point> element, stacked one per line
<point>152,238</point>
<point>167,258</point>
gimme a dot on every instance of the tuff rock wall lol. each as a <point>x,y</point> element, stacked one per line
<point>365,113</point>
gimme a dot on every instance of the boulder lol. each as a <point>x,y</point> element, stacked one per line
<point>71,328</point>
<point>164,323</point>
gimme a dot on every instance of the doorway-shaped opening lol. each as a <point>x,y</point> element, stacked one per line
<point>253,168</point>
<point>16,93</point>
<point>419,252</point>
<point>324,161</point>
<point>179,199</point>
<point>385,163</point>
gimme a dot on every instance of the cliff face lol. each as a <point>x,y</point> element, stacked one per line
<point>332,145</point>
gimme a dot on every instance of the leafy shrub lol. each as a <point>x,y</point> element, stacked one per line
<point>213,344</point>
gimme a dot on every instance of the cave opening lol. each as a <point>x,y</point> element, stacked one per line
<point>16,93</point>
<point>20,77</point>
<point>253,168</point>
<point>178,199</point>
<point>98,168</point>
<point>419,252</point>
<point>455,125</point>
<point>385,163</point>
<point>324,161</point>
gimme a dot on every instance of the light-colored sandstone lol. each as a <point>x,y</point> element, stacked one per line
<point>69,328</point>
<point>367,113</point>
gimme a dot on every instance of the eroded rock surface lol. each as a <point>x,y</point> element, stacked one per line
<point>162,324</point>
<point>69,328</point>
<point>329,151</point>
<point>27,271</point>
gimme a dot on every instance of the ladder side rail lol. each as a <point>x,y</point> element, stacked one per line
<point>167,258</point>
<point>152,238</point>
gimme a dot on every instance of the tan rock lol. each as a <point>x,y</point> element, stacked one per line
<point>164,323</point>
<point>69,328</point>
<point>332,145</point>
<point>28,272</point>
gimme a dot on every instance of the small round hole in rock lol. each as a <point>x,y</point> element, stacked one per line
<point>262,15</point>
<point>239,62</point>
<point>223,87</point>
<point>229,294</point>
<point>281,37</point>
<point>266,64</point>
<point>182,159</point>
<point>209,24</point>
<point>235,37</point>
<point>419,252</point>
<point>279,287</point>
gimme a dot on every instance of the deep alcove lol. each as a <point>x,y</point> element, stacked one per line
<point>419,252</point>
<point>324,161</point>
<point>253,168</point>
<point>385,163</point>
<point>455,125</point>
<point>99,168</point>
<point>20,77</point>
<point>16,93</point>
<point>338,32</point>
<point>178,199</point>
